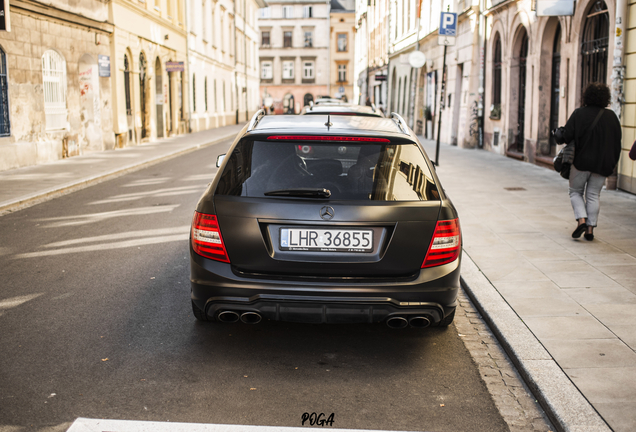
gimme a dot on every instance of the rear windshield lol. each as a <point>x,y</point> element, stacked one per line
<point>358,171</point>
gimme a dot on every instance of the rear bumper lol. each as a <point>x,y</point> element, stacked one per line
<point>432,294</point>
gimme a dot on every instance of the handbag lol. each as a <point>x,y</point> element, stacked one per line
<point>564,160</point>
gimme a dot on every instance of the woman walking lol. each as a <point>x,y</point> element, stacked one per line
<point>597,135</point>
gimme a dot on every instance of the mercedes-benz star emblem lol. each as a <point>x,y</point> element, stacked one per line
<point>327,212</point>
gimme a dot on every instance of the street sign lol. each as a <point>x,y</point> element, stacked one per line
<point>447,29</point>
<point>417,59</point>
<point>380,77</point>
<point>103,63</point>
<point>555,8</point>
<point>448,24</point>
<point>172,66</point>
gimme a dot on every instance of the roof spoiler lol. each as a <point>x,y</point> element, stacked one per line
<point>400,122</point>
<point>255,119</point>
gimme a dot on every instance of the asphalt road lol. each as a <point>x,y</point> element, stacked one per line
<point>95,321</point>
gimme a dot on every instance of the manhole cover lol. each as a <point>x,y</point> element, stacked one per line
<point>515,189</point>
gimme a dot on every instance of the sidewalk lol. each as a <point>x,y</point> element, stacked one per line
<point>23,187</point>
<point>563,308</point>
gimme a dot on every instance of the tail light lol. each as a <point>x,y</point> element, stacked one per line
<point>446,244</point>
<point>206,237</point>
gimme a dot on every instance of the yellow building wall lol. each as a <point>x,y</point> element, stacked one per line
<point>626,166</point>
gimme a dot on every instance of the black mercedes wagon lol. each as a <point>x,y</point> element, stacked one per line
<point>326,219</point>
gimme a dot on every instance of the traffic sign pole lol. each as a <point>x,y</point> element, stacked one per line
<point>441,99</point>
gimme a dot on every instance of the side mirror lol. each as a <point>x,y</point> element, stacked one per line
<point>219,160</point>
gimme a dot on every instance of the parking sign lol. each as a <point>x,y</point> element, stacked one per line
<point>448,24</point>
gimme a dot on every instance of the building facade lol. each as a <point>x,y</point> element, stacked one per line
<point>538,68</point>
<point>294,54</point>
<point>373,19</point>
<point>223,61</point>
<point>55,99</point>
<point>148,70</point>
<point>342,47</point>
<point>424,95</point>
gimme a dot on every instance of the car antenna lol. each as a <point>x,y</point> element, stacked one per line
<point>328,121</point>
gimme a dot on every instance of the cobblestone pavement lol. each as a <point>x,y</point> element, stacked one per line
<point>515,402</point>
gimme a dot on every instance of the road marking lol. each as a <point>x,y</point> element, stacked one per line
<point>96,425</point>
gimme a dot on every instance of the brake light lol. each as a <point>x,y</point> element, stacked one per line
<point>325,138</point>
<point>206,237</point>
<point>446,244</point>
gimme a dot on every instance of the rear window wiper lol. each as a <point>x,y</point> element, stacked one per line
<point>301,192</point>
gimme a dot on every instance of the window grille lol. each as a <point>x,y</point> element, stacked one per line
<point>54,79</point>
<point>496,75</point>
<point>5,120</point>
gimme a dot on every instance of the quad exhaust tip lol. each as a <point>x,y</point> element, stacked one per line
<point>228,317</point>
<point>397,322</point>
<point>246,317</point>
<point>250,318</point>
<point>419,322</point>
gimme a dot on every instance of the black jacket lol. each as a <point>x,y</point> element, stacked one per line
<point>599,150</point>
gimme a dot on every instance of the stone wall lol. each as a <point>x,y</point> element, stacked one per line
<point>88,125</point>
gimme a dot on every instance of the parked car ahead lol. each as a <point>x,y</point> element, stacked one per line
<point>326,219</point>
<point>342,109</point>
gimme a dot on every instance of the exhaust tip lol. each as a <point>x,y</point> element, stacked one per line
<point>251,318</point>
<point>228,317</point>
<point>420,322</point>
<point>397,322</point>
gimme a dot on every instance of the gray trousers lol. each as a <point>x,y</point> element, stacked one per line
<point>585,191</point>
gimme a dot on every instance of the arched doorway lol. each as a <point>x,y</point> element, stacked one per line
<point>159,97</point>
<point>594,45</point>
<point>129,114</point>
<point>518,88</point>
<point>554,90</point>
<point>142,94</point>
<point>307,99</point>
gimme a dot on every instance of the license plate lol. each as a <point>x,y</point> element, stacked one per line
<point>326,240</point>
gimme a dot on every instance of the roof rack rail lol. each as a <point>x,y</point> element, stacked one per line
<point>255,119</point>
<point>401,123</point>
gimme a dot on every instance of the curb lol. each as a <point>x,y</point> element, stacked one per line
<point>75,185</point>
<point>563,403</point>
